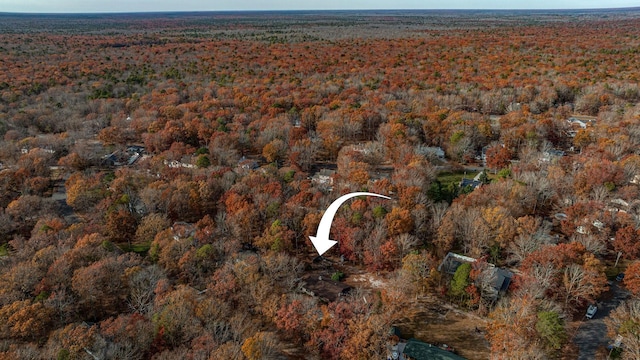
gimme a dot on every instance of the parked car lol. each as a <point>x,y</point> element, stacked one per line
<point>591,311</point>
<point>620,277</point>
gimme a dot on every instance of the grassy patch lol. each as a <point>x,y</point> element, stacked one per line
<point>141,249</point>
<point>449,177</point>
<point>3,250</point>
<point>446,187</point>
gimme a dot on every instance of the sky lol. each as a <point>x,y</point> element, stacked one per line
<point>83,6</point>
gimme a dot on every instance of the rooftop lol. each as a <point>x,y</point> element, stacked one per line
<point>418,350</point>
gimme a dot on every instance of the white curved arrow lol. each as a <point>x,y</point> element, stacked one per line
<point>321,241</point>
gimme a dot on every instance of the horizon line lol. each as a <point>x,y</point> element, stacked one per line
<point>116,12</point>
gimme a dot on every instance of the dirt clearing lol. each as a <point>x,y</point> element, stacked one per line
<point>432,320</point>
<point>437,323</point>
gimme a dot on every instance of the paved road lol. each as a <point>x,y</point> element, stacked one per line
<point>592,334</point>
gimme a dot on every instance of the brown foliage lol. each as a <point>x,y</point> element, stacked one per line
<point>632,278</point>
<point>369,103</point>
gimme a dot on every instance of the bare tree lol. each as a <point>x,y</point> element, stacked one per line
<point>526,242</point>
<point>63,303</point>
<point>594,244</point>
<point>582,283</point>
<point>282,269</point>
<point>438,211</point>
<point>542,187</point>
<point>405,243</point>
<point>472,231</point>
<point>142,285</point>
<point>544,278</point>
<point>600,193</point>
<point>618,324</point>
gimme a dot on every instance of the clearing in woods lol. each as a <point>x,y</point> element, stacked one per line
<point>435,322</point>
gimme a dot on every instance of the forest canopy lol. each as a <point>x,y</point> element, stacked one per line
<point>160,176</point>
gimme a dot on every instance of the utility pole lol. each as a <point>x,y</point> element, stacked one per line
<point>618,258</point>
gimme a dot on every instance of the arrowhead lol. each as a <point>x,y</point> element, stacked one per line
<point>322,245</point>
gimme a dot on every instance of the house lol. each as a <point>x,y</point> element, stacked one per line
<point>551,156</point>
<point>482,156</point>
<point>247,164</point>
<point>183,230</point>
<point>432,151</point>
<point>174,164</point>
<point>360,148</point>
<point>495,281</point>
<point>121,158</point>
<point>113,159</point>
<point>418,350</point>
<point>472,184</point>
<point>452,261</point>
<point>323,179</point>
<point>135,149</point>
<point>133,159</point>
<point>578,122</point>
<point>492,280</point>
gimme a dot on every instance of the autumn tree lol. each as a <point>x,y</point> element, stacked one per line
<point>101,286</point>
<point>262,345</point>
<point>598,172</point>
<point>150,226</point>
<point>25,210</point>
<point>175,314</point>
<point>498,157</point>
<point>303,153</point>
<point>282,270</point>
<point>291,319</point>
<point>532,234</point>
<point>84,192</point>
<point>625,321</point>
<point>274,151</point>
<point>121,226</point>
<point>127,335</point>
<point>277,237</point>
<point>512,329</point>
<point>73,340</point>
<point>399,221</point>
<point>626,242</point>
<point>632,278</point>
<point>567,273</point>
<point>25,320</point>
<point>333,331</point>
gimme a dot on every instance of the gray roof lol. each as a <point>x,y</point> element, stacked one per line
<point>418,350</point>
